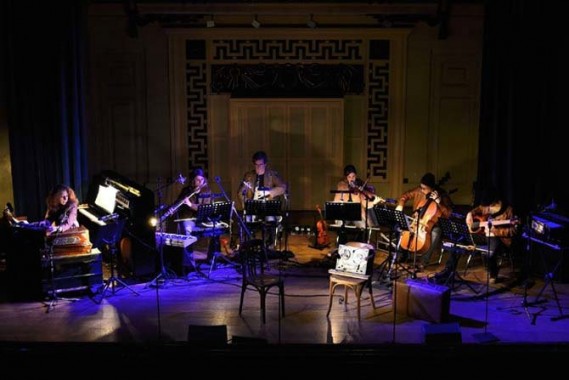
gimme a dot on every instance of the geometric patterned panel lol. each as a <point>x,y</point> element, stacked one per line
<point>378,106</point>
<point>291,80</point>
<point>287,50</point>
<point>196,90</point>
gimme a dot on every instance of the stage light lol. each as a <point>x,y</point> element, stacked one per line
<point>311,23</point>
<point>153,222</point>
<point>210,23</point>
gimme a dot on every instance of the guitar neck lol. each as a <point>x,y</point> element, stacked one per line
<point>496,222</point>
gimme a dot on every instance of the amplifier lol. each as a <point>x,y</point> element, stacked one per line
<point>422,300</point>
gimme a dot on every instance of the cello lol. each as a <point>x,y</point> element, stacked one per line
<point>418,237</point>
<point>322,238</point>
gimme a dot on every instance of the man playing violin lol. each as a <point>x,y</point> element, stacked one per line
<point>428,196</point>
<point>353,189</point>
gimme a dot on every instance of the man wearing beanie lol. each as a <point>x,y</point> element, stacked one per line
<point>503,226</point>
<point>420,195</point>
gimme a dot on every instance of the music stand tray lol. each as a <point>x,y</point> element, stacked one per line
<point>392,218</point>
<point>262,208</point>
<point>213,212</point>
<point>343,211</point>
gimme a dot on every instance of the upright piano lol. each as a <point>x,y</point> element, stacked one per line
<point>110,197</point>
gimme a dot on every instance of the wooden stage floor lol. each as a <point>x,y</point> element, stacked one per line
<point>162,315</point>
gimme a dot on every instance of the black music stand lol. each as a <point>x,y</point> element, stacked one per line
<point>261,209</point>
<point>214,214</point>
<point>397,222</point>
<point>460,239</point>
<point>111,239</point>
<point>344,211</point>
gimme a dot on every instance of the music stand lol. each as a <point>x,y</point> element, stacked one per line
<point>214,214</point>
<point>343,211</point>
<point>397,222</point>
<point>460,239</point>
<point>262,209</point>
<point>111,239</point>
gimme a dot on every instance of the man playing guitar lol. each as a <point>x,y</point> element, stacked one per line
<point>259,184</point>
<point>495,219</point>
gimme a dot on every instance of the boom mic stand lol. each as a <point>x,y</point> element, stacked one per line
<point>487,337</point>
<point>163,276</point>
<point>286,253</point>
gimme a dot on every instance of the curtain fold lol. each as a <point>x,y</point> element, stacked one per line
<point>46,99</point>
<point>520,81</point>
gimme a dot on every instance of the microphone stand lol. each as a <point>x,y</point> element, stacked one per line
<point>163,276</point>
<point>487,337</point>
<point>233,210</point>
<point>286,253</point>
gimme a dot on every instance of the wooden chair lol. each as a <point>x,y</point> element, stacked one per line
<point>354,282</point>
<point>253,258</point>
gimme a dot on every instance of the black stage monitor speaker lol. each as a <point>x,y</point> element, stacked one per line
<point>211,336</point>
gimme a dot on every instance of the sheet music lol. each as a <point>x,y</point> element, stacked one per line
<point>106,198</point>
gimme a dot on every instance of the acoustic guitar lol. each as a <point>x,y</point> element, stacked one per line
<point>479,224</point>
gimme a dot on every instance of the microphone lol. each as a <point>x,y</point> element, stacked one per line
<point>181,179</point>
<point>9,207</point>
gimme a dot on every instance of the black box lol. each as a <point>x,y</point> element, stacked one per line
<point>72,272</point>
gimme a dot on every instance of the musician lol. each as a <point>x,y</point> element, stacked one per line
<point>425,194</point>
<point>196,193</point>
<point>192,196</point>
<point>353,189</point>
<point>492,208</point>
<point>263,183</point>
<point>62,205</point>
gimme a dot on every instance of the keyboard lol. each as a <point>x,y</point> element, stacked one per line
<point>92,217</point>
<point>175,240</point>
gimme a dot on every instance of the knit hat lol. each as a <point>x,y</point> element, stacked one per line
<point>429,180</point>
<point>197,172</point>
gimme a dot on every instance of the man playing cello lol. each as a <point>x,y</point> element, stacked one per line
<point>430,202</point>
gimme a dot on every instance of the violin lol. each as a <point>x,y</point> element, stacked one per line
<point>368,193</point>
<point>322,238</point>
